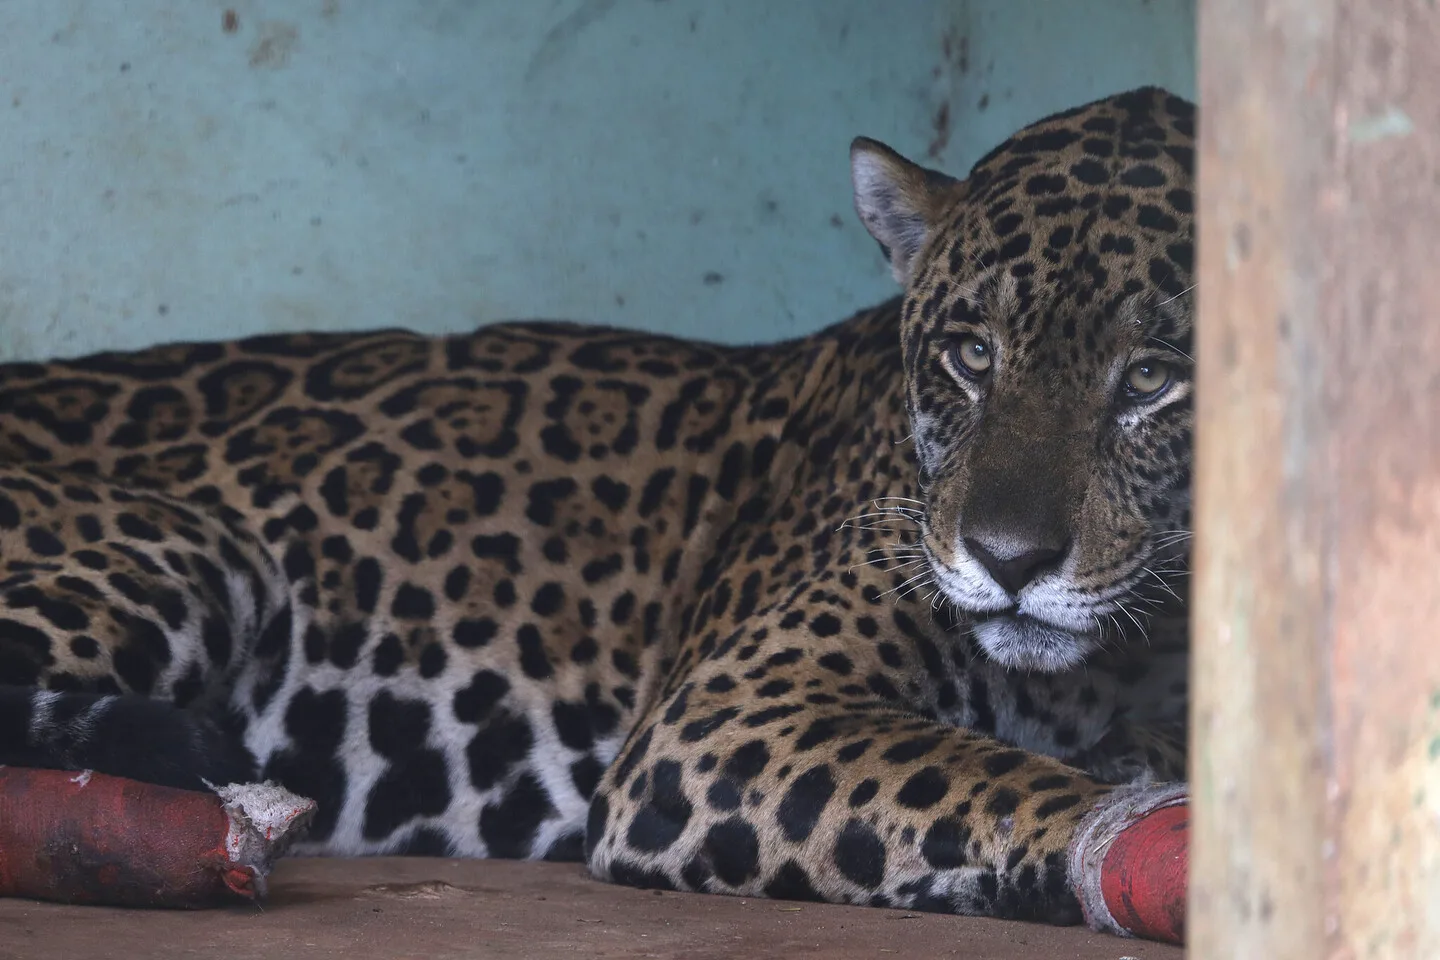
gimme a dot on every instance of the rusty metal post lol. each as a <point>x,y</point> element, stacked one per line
<point>1316,764</point>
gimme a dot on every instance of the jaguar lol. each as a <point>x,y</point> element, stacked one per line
<point>879,615</point>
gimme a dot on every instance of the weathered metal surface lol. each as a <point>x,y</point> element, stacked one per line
<point>1316,766</point>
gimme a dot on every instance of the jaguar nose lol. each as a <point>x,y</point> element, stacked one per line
<point>1014,571</point>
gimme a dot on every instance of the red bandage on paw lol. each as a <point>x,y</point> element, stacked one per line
<point>1128,863</point>
<point>92,839</point>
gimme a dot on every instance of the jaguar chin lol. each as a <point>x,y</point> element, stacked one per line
<point>1024,642</point>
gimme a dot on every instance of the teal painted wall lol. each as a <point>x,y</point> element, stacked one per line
<point>676,165</point>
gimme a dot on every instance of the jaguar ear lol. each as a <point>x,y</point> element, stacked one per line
<point>898,201</point>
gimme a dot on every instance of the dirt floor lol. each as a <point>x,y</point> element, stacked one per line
<point>437,909</point>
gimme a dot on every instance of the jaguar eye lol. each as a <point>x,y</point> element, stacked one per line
<point>970,357</point>
<point>1147,380</point>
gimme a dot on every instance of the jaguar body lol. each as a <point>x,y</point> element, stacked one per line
<point>878,615</point>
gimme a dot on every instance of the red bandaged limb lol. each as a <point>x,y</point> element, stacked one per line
<point>1129,860</point>
<point>92,839</point>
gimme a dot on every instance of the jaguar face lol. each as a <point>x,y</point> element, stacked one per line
<point>1047,340</point>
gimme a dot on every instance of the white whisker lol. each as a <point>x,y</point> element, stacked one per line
<point>877,560</point>
<point>1163,585</point>
<point>878,525</point>
<point>919,585</point>
<point>1138,625</point>
<point>1177,296</point>
<point>907,581</point>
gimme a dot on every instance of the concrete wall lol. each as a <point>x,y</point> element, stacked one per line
<point>202,169</point>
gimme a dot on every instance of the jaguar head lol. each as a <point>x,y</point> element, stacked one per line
<point>1046,333</point>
